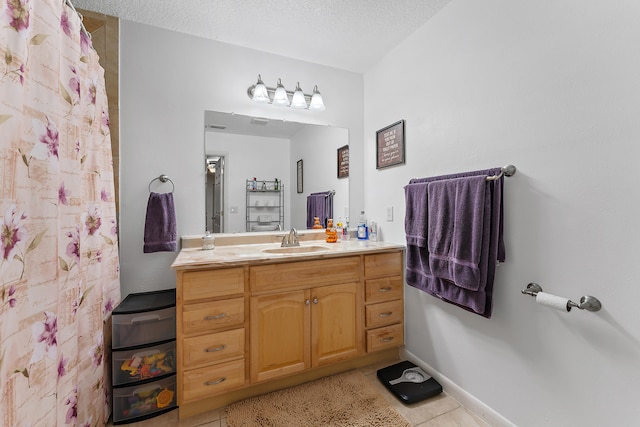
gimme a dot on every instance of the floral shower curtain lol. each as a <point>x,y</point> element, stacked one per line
<point>59,278</point>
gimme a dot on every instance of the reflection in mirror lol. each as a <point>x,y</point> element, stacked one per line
<point>240,148</point>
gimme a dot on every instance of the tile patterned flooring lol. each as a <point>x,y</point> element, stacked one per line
<point>439,411</point>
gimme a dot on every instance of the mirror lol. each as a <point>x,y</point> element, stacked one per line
<point>239,148</point>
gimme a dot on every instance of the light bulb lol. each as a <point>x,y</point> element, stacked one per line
<point>260,93</point>
<point>280,97</point>
<point>316,103</point>
<point>298,100</point>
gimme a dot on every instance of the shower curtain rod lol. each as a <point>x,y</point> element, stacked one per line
<point>84,30</point>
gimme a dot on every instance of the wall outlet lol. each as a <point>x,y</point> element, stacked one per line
<point>390,213</point>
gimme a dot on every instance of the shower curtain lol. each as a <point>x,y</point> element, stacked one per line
<point>59,278</point>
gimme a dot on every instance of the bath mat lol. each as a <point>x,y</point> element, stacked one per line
<point>343,400</point>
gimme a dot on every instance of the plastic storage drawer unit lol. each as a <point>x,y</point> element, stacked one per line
<point>143,363</point>
<point>141,319</point>
<point>141,401</point>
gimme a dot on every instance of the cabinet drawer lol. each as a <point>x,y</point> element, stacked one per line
<point>388,288</point>
<point>210,316</point>
<point>212,380</point>
<point>142,328</point>
<point>140,401</point>
<point>386,337</point>
<point>212,283</point>
<point>384,313</point>
<point>304,274</point>
<point>213,347</point>
<point>129,366</point>
<point>381,265</point>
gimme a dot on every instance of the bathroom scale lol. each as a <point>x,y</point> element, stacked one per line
<point>409,382</point>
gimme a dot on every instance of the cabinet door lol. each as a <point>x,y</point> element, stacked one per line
<point>280,340</point>
<point>335,323</point>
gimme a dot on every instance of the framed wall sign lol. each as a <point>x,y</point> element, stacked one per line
<point>343,161</point>
<point>299,169</point>
<point>390,145</point>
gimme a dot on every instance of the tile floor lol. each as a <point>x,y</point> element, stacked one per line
<point>439,411</point>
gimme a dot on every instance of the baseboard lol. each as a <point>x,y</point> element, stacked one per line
<point>467,400</point>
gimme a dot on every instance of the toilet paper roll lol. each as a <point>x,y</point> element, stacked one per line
<point>553,301</point>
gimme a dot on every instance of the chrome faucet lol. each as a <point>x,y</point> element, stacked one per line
<point>290,239</point>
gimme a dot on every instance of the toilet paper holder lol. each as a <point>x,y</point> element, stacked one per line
<point>587,302</point>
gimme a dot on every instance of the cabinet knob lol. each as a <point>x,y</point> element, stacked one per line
<point>214,349</point>
<point>215,317</point>
<point>315,300</point>
<point>215,382</point>
<point>307,301</point>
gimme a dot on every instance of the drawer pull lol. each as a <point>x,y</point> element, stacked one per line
<point>387,314</point>
<point>214,349</point>
<point>216,317</point>
<point>216,382</point>
<point>385,289</point>
<point>388,339</point>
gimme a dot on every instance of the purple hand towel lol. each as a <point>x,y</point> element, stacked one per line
<point>458,230</point>
<point>160,224</point>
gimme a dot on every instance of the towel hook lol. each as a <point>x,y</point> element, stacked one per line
<point>162,178</point>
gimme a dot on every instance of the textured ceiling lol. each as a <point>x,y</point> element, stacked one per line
<point>349,34</point>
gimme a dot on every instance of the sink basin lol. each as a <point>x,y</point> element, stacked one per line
<point>296,249</point>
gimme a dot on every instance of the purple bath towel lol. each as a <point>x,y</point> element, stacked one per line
<point>419,272</point>
<point>320,205</point>
<point>160,224</point>
<point>457,231</point>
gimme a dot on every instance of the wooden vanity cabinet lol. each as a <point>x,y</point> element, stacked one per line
<point>257,327</point>
<point>317,324</point>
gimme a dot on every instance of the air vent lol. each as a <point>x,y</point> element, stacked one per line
<point>259,121</point>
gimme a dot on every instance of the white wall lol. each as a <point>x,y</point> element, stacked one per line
<point>318,149</point>
<point>553,88</point>
<point>167,81</point>
<point>247,157</point>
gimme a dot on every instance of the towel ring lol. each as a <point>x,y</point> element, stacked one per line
<point>162,178</point>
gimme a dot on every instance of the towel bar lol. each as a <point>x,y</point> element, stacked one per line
<point>508,170</point>
<point>587,302</point>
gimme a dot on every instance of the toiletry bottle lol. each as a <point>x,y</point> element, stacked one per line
<point>340,228</point>
<point>316,223</point>
<point>345,229</point>
<point>373,231</point>
<point>255,184</point>
<point>207,241</point>
<point>363,230</point>
<point>332,235</point>
<point>264,186</point>
<point>276,187</point>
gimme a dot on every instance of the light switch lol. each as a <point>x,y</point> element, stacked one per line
<point>390,213</point>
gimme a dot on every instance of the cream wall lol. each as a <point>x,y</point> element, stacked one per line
<point>553,88</point>
<point>167,81</point>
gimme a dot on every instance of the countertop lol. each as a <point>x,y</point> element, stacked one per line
<point>243,254</point>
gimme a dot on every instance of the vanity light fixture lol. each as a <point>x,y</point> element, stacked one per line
<point>282,97</point>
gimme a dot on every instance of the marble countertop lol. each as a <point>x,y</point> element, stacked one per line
<point>234,255</point>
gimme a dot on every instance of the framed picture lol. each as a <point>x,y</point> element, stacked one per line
<point>343,162</point>
<point>299,169</point>
<point>390,145</point>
